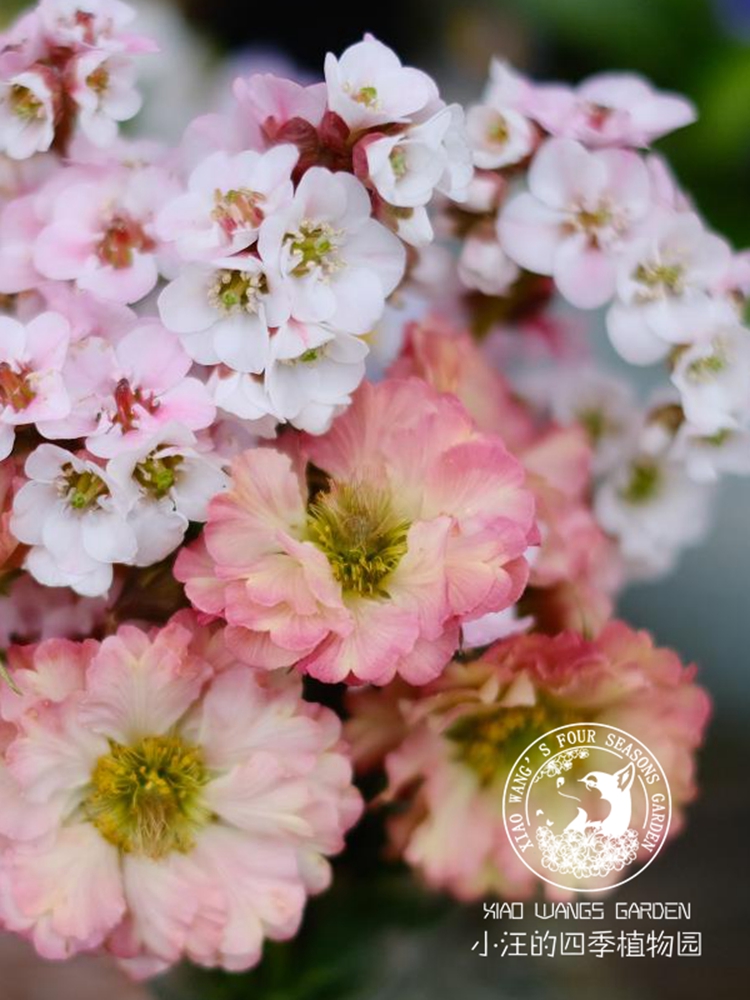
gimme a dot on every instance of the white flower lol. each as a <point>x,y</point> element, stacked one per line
<point>27,114</point>
<point>572,223</point>
<point>103,88</point>
<point>713,379</point>
<point>603,404</point>
<point>313,371</point>
<point>368,86</point>
<point>413,226</point>
<point>223,311</point>
<point>74,518</point>
<point>337,264</point>
<point>664,280</point>
<point>243,396</point>
<point>228,198</point>
<point>493,626</point>
<point>654,510</point>
<point>406,168</point>
<point>484,265</point>
<point>499,136</point>
<point>459,167</point>
<point>167,484</point>
<point>707,458</point>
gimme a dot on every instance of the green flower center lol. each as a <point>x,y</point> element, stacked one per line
<point>398,161</point>
<point>596,423</point>
<point>644,483</point>
<point>146,798</point>
<point>667,276</point>
<point>25,103</point>
<point>705,368</point>
<point>237,291</point>
<point>82,490</point>
<point>314,245</point>
<point>361,535</point>
<point>156,475</point>
<point>490,741</point>
<point>367,96</point>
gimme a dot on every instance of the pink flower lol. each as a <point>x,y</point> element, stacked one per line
<point>571,223</point>
<point>417,522</point>
<point>576,573</point>
<point>30,612</point>
<point>86,24</point>
<point>449,360</point>
<point>448,747</point>
<point>162,801</point>
<point>101,234</point>
<point>611,109</point>
<point>484,265</point>
<point>103,90</point>
<point>31,383</point>
<point>124,394</point>
<point>228,198</point>
<point>499,129</point>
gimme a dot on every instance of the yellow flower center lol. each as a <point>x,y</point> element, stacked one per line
<point>25,103</point>
<point>489,741</point>
<point>362,536</point>
<point>146,798</point>
<point>666,276</point>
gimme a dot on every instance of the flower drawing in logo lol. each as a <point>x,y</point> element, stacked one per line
<point>587,806</point>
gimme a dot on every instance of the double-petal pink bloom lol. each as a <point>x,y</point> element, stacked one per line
<point>413,522</point>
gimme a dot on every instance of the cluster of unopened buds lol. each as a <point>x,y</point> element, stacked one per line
<point>252,427</point>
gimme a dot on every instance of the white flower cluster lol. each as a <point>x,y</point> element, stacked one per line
<point>607,225</point>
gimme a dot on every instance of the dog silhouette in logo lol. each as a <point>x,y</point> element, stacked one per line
<point>615,789</point>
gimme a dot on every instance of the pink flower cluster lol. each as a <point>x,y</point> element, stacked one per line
<point>66,68</point>
<point>240,374</point>
<point>453,741</point>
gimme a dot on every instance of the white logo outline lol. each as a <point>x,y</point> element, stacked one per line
<point>623,805</point>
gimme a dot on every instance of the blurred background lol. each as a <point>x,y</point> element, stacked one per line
<point>376,936</point>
